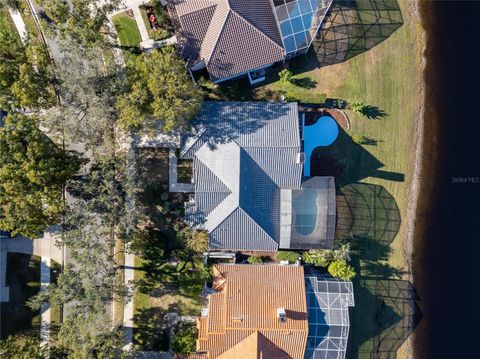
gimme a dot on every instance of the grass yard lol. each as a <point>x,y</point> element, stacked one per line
<point>372,178</point>
<point>128,33</point>
<point>23,279</point>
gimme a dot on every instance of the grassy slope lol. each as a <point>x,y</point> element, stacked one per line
<point>388,77</point>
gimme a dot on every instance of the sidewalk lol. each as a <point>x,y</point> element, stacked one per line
<point>19,24</point>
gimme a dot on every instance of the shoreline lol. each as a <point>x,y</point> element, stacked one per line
<point>414,187</point>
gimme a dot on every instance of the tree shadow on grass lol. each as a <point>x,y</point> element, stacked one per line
<point>304,82</point>
<point>373,112</point>
<point>151,331</point>
<point>354,26</point>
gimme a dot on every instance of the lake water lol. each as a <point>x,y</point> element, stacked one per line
<point>447,240</point>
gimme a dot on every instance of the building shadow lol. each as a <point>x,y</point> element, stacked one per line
<point>348,162</point>
<point>354,26</point>
<point>386,319</point>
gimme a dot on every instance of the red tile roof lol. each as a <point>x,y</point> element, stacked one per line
<point>242,319</point>
<point>230,36</point>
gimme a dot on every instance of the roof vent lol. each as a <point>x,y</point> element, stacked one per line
<point>282,315</point>
<point>301,157</point>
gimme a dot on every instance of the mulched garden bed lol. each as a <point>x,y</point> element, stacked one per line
<point>313,114</point>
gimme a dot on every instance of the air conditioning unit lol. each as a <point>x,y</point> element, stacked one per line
<point>301,157</point>
<point>282,315</point>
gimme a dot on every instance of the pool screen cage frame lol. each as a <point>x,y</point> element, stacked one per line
<point>299,22</point>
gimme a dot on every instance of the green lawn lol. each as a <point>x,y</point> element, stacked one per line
<point>372,179</point>
<point>128,34</point>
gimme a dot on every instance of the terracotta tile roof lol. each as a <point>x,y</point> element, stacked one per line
<point>242,318</point>
<point>230,36</point>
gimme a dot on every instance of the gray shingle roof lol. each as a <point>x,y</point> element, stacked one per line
<point>231,36</point>
<point>243,153</point>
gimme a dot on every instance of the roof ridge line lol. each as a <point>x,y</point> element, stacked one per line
<point>258,30</point>
<point>256,224</point>
<point>213,173</point>
<point>221,31</point>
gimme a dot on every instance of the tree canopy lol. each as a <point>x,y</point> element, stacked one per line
<point>160,94</point>
<point>19,347</point>
<point>184,341</point>
<point>26,79</point>
<point>88,335</point>
<point>33,171</point>
<point>82,21</point>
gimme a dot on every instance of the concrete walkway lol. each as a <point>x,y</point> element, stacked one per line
<point>19,24</point>
<point>140,23</point>
<point>129,274</point>
<point>173,185</point>
<point>45,318</point>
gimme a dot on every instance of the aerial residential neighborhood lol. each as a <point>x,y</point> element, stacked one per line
<point>266,179</point>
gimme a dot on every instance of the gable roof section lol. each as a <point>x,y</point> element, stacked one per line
<point>243,153</point>
<point>231,36</point>
<point>242,318</point>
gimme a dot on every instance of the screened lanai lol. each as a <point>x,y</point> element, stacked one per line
<point>299,22</point>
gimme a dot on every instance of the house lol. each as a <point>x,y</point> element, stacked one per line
<point>232,38</point>
<point>249,189</point>
<point>274,311</point>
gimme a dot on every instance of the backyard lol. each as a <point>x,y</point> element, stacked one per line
<point>373,177</point>
<point>167,278</point>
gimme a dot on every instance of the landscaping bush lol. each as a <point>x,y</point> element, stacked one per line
<point>318,257</point>
<point>184,341</point>
<point>341,269</point>
<point>358,107</point>
<point>357,138</point>
<point>285,75</point>
<point>254,260</point>
<point>291,257</point>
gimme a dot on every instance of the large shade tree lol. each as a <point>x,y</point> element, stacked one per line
<point>160,94</point>
<point>83,21</point>
<point>26,79</point>
<point>33,171</point>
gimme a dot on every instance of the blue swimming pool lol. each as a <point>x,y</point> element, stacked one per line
<point>305,209</point>
<point>324,132</point>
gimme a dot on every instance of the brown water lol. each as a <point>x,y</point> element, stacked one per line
<point>447,239</point>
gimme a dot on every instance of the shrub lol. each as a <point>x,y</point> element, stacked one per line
<point>254,260</point>
<point>341,269</point>
<point>318,257</point>
<point>291,257</point>
<point>322,98</point>
<point>285,75</point>
<point>357,138</point>
<point>184,341</point>
<point>358,107</point>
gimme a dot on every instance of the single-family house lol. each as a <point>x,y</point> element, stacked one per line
<point>249,190</point>
<point>232,38</point>
<point>274,311</point>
